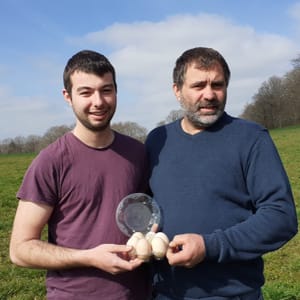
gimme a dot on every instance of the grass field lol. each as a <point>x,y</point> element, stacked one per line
<point>282,267</point>
<point>15,283</point>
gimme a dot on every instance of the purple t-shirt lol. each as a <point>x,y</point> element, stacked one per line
<point>85,185</point>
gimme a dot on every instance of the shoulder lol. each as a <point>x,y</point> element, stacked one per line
<point>162,130</point>
<point>227,119</point>
<point>123,138</point>
<point>125,143</point>
<point>56,149</point>
<point>157,137</point>
<point>250,125</point>
<point>247,136</point>
<point>241,127</point>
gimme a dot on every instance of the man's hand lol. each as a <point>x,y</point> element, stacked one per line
<point>112,258</point>
<point>186,250</point>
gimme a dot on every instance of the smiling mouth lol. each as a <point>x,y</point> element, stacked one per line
<point>98,116</point>
<point>98,113</point>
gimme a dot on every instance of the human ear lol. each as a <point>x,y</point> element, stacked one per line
<point>176,91</point>
<point>67,97</point>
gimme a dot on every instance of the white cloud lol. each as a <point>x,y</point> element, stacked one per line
<point>294,11</point>
<point>33,102</point>
<point>33,114</point>
<point>144,54</point>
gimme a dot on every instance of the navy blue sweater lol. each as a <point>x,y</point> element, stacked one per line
<point>228,184</point>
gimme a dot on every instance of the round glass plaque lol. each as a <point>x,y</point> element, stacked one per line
<point>137,212</point>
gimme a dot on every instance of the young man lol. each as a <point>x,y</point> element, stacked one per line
<point>225,196</point>
<point>74,186</point>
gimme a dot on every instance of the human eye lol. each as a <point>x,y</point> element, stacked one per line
<point>218,85</point>
<point>199,85</point>
<point>84,92</point>
<point>108,90</point>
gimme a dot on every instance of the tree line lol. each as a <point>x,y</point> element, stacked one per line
<point>276,104</point>
<point>35,143</point>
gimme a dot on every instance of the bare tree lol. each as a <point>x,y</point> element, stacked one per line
<point>271,104</point>
<point>296,62</point>
<point>172,116</point>
<point>277,102</point>
<point>292,96</point>
<point>32,144</point>
<point>53,134</point>
<point>131,129</point>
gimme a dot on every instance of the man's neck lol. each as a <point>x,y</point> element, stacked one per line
<point>95,139</point>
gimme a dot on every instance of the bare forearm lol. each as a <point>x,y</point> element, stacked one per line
<point>27,249</point>
<point>35,253</point>
<point>40,254</point>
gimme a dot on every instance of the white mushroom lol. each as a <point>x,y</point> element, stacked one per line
<point>159,247</point>
<point>143,249</point>
<point>149,236</point>
<point>163,236</point>
<point>137,234</point>
<point>132,242</point>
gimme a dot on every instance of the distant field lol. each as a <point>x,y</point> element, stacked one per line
<point>282,268</point>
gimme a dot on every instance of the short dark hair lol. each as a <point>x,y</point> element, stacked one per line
<point>89,62</point>
<point>203,58</point>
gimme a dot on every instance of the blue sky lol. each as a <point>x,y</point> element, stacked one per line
<point>142,38</point>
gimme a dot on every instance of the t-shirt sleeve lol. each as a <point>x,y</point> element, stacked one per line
<point>40,181</point>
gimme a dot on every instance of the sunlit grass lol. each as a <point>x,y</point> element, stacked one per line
<point>15,283</point>
<point>282,267</point>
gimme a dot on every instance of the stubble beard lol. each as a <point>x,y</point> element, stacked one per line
<point>202,121</point>
<point>85,122</point>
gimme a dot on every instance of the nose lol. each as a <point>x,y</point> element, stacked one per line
<point>98,99</point>
<point>208,92</point>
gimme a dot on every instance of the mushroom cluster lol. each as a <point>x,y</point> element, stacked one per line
<point>151,244</point>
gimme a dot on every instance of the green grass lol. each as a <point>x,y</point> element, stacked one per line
<point>282,267</point>
<point>15,283</point>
